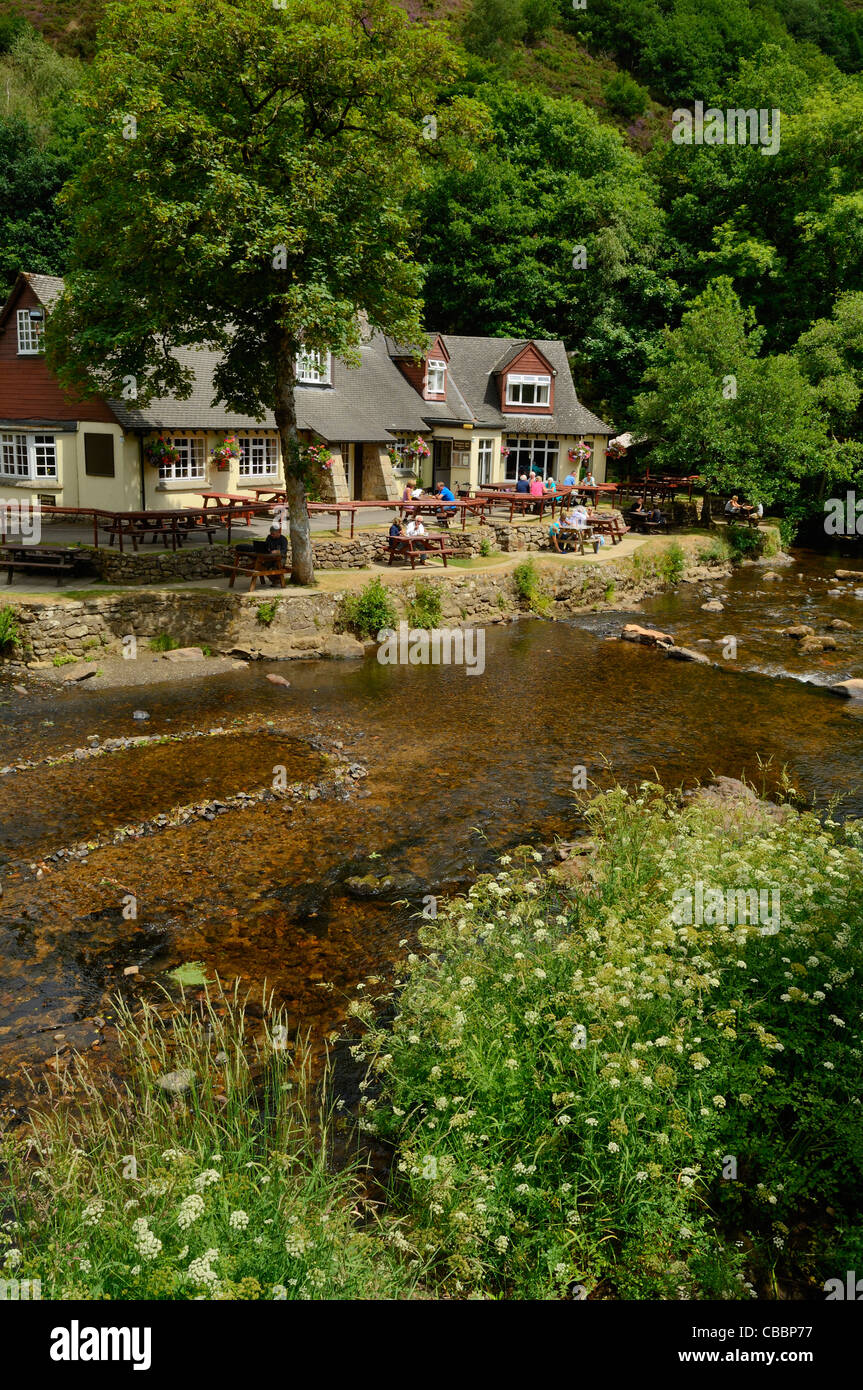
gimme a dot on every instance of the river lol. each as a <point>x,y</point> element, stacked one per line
<point>458,768</point>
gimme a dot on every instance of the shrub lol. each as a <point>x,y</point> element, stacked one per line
<point>672,563</point>
<point>229,1194</point>
<point>63,659</point>
<point>485,547</point>
<point>266,612</point>
<point>744,542</point>
<point>10,631</point>
<point>529,588</point>
<point>716,552</point>
<point>163,642</point>
<point>570,1063</point>
<point>366,613</point>
<point>625,97</point>
<point>424,609</point>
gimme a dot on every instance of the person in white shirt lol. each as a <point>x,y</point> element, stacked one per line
<point>416,529</point>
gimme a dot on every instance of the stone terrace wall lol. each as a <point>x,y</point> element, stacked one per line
<point>303,624</point>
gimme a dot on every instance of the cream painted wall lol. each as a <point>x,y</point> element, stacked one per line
<point>170,495</point>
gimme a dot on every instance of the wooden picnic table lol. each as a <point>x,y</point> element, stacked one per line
<point>270,494</point>
<point>162,524</point>
<point>420,548</point>
<point>580,536</point>
<point>235,502</point>
<point>59,560</point>
<point>259,565</point>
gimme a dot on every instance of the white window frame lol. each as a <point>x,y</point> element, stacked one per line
<point>436,377</point>
<point>313,368</point>
<point>544,448</point>
<point>30,334</point>
<point>191,465</point>
<point>28,456</point>
<point>485,461</point>
<point>519,382</point>
<point>259,456</point>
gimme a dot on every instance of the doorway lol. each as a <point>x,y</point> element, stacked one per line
<point>357,491</point>
<point>441,461</point>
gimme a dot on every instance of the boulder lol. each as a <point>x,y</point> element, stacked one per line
<point>184,654</point>
<point>851,689</point>
<point>848,574</point>
<point>277,680</point>
<point>799,630</point>
<point>839,625</point>
<point>771,576</point>
<point>343,647</point>
<point>81,671</point>
<point>811,645</point>
<point>713,605</point>
<point>649,636</point>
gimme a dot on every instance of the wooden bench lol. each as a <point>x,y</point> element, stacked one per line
<point>263,566</point>
<point>610,526</point>
<point>580,536</point>
<point>56,562</point>
<point>415,548</point>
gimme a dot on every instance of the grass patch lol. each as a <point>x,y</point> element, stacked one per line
<point>163,642</point>
<point>366,613</point>
<point>672,563</point>
<point>63,659</point>
<point>228,1192</point>
<point>717,551</point>
<point>426,607</point>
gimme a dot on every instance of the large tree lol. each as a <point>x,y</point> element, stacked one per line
<point>244,184</point>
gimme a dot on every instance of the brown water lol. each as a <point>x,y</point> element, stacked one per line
<point>459,767</point>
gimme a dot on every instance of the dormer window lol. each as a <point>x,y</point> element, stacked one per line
<point>528,390</point>
<point>436,377</point>
<point>313,368</point>
<point>31,325</point>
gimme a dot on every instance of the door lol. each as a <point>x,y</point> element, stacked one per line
<point>357,492</point>
<point>441,461</point>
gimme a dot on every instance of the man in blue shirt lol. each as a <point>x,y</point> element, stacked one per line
<point>569,480</point>
<point>445,495</point>
<point>522,485</point>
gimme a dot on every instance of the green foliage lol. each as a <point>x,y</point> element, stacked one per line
<point>744,542</point>
<point>231,1195</point>
<point>425,607</point>
<point>672,563</point>
<point>163,642</point>
<point>571,1060</point>
<point>491,27</point>
<point>717,551</point>
<point>485,547</point>
<point>367,613</point>
<point>625,97</point>
<point>529,588</point>
<point>63,659</point>
<point>265,612</point>
<point>10,630</point>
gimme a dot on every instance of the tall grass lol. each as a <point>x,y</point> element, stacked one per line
<point>228,1191</point>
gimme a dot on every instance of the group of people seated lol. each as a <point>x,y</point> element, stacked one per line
<point>412,530</point>
<point>536,485</point>
<point>576,519</point>
<point>444,494</point>
<point>735,508</point>
<point>640,512</point>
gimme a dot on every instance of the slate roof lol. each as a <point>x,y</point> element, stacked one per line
<point>372,401</point>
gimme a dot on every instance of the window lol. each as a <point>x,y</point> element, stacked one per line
<point>535,452</point>
<point>28,456</point>
<point>259,457</point>
<point>99,455</point>
<point>190,463</point>
<point>313,368</point>
<point>29,332</point>
<point>486,455</point>
<point>528,390</point>
<point>436,378</point>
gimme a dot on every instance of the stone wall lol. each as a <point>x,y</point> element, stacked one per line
<point>302,625</point>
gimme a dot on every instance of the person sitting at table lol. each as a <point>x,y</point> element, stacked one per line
<point>551,484</point>
<point>733,507</point>
<point>555,537</point>
<point>570,480</point>
<point>445,495</point>
<point>577,518</point>
<point>277,543</point>
<point>588,480</point>
<point>537,489</point>
<point>417,533</point>
<point>522,485</point>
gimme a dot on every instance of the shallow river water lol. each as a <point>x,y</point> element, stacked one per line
<point>458,767</point>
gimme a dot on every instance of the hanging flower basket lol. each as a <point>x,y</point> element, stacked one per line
<point>417,449</point>
<point>160,452</point>
<point>224,451</point>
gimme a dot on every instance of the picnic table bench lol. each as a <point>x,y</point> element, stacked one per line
<point>580,536</point>
<point>43,560</point>
<point>176,525</point>
<point>415,548</point>
<point>236,503</point>
<point>610,526</point>
<point>260,565</point>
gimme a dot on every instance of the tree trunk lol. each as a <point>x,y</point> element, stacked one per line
<point>302,558</point>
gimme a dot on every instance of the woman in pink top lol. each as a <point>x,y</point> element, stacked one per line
<point>537,488</point>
